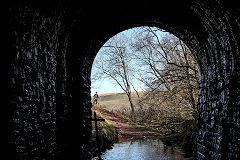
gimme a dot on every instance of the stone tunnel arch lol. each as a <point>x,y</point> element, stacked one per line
<point>210,38</point>
<point>78,30</point>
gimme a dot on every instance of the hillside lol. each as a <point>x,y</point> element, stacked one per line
<point>117,101</point>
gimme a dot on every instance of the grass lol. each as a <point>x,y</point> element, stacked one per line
<point>108,135</point>
<point>117,101</point>
<point>131,121</point>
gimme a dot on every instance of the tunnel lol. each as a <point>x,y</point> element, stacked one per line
<point>48,56</point>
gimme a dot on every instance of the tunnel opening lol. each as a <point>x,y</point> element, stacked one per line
<point>163,66</point>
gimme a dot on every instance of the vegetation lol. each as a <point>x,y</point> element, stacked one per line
<point>107,134</point>
<point>185,138</point>
<point>115,64</point>
<point>181,133</point>
<point>170,73</point>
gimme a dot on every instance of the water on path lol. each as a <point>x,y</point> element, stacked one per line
<point>144,149</point>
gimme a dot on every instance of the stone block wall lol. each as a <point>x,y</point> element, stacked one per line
<point>49,66</point>
<point>37,82</point>
<point>218,120</point>
<point>218,108</point>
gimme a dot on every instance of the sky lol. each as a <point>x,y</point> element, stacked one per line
<point>105,86</point>
<point>108,85</point>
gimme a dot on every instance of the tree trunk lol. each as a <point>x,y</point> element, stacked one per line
<point>131,104</point>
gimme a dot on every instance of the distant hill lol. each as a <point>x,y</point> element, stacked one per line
<point>117,101</point>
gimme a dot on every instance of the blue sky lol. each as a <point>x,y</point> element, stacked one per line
<point>107,85</point>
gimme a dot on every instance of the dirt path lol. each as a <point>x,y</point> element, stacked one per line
<point>127,130</point>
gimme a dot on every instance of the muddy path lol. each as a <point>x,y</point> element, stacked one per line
<point>128,130</point>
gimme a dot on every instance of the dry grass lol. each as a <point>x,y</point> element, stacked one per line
<point>117,101</point>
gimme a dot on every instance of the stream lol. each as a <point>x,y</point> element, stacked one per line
<point>144,149</point>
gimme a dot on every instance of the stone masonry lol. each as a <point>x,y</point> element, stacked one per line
<point>50,51</point>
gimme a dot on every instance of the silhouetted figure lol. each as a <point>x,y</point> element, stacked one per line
<point>95,98</point>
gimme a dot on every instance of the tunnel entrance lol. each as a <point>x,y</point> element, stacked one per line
<point>156,77</point>
<point>51,51</point>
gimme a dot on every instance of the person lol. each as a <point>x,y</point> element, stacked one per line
<point>95,100</point>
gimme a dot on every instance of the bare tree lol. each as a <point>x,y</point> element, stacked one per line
<point>168,69</point>
<point>115,64</point>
